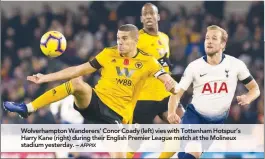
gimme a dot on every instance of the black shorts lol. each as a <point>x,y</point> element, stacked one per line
<point>146,111</point>
<point>99,113</point>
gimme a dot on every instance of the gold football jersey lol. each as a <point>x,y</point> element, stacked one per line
<point>158,47</point>
<point>122,78</point>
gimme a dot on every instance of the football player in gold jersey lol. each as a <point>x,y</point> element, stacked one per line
<point>153,99</point>
<point>124,70</point>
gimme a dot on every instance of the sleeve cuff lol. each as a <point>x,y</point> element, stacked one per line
<point>247,80</point>
<point>159,73</point>
<point>94,63</point>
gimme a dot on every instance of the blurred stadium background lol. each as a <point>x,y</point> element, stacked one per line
<point>91,26</point>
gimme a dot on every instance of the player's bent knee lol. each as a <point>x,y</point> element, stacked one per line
<point>82,92</point>
<point>78,84</point>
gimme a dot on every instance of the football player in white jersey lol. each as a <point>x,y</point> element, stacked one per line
<point>214,78</point>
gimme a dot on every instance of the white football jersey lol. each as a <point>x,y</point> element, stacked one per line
<point>213,85</point>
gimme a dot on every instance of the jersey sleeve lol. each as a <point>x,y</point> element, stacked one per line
<point>187,78</point>
<point>99,60</point>
<point>243,73</point>
<point>155,69</point>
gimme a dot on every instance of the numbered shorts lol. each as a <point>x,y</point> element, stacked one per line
<point>99,113</point>
<point>191,116</point>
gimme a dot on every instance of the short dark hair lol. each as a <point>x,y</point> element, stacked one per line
<point>130,28</point>
<point>152,5</point>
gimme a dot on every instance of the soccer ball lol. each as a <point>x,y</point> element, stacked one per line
<point>53,44</point>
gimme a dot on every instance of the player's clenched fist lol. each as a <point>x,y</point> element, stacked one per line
<point>173,118</point>
<point>243,100</point>
<point>38,78</point>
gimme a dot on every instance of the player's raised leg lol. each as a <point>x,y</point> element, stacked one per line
<point>77,87</point>
<point>82,92</point>
<point>74,86</point>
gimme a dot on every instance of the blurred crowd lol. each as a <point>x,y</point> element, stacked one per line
<point>94,27</point>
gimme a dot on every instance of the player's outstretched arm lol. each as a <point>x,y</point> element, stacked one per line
<point>157,71</point>
<point>253,93</point>
<point>174,99</point>
<point>173,102</point>
<point>65,74</point>
<point>169,82</point>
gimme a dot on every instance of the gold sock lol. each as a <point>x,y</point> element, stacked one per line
<point>129,154</point>
<point>53,95</point>
<point>166,154</point>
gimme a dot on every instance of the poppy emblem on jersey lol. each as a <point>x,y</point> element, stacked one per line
<point>138,65</point>
<point>126,62</point>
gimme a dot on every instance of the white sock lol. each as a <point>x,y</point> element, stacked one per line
<point>30,108</point>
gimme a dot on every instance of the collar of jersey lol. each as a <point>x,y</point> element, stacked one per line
<point>205,58</point>
<point>150,34</point>
<point>134,55</point>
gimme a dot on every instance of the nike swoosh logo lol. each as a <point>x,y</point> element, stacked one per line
<point>203,74</point>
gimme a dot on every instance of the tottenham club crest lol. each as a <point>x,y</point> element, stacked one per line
<point>138,65</point>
